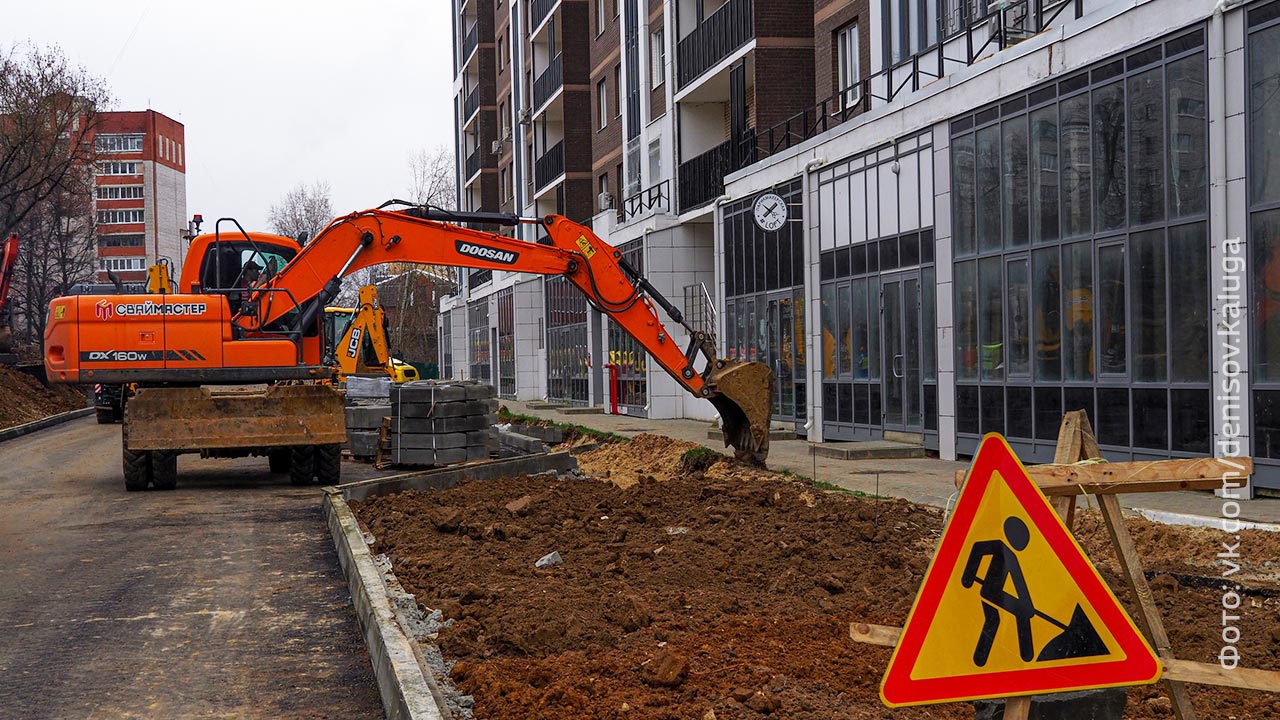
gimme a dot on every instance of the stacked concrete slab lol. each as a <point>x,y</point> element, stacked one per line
<point>364,421</point>
<point>442,422</point>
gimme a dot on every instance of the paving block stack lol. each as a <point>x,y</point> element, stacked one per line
<point>442,422</point>
<point>364,421</point>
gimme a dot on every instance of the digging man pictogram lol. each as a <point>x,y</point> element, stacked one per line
<point>1004,568</point>
<point>1078,637</point>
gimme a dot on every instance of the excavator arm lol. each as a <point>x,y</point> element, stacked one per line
<point>740,391</point>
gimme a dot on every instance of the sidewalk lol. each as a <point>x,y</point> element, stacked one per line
<point>927,481</point>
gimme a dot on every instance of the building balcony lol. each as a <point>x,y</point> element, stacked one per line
<point>540,10</point>
<point>470,41</point>
<point>470,105</point>
<point>473,164</point>
<point>726,30</point>
<point>549,166</point>
<point>653,199</point>
<point>701,180</point>
<point>548,82</point>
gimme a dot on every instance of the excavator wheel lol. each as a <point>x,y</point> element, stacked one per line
<point>137,470</point>
<point>164,469</point>
<point>328,464</point>
<point>302,464</point>
<point>137,464</point>
<point>280,460</point>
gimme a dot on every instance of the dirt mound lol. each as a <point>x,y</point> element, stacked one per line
<point>23,399</point>
<point>655,457</point>
<point>730,591</point>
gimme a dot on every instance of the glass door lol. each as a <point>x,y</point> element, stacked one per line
<point>901,323</point>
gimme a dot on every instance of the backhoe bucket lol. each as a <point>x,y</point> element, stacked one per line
<point>743,393</point>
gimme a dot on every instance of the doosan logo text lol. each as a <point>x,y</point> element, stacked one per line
<point>506,257</point>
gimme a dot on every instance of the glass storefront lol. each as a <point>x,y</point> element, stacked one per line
<point>566,342</point>
<point>877,302</point>
<point>507,343</point>
<point>478,343</point>
<point>630,358</point>
<point>1263,75</point>
<point>1081,275</point>
<point>764,297</point>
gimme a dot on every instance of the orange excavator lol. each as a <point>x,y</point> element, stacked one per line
<point>247,314</point>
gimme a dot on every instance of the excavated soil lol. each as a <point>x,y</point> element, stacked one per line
<point>23,399</point>
<point>727,593</point>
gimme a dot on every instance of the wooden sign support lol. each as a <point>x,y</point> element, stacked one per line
<point>1071,475</point>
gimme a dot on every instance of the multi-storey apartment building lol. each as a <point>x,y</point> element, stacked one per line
<point>934,218</point>
<point>140,193</point>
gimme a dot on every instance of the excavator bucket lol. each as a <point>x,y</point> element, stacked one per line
<point>742,392</point>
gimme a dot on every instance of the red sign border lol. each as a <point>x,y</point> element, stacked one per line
<point>1140,666</point>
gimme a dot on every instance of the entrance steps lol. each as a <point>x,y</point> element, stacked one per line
<point>545,405</point>
<point>868,450</point>
<point>581,411</point>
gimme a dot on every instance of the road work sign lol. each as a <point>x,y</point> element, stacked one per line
<point>1010,605</point>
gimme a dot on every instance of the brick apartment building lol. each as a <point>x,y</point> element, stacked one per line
<point>140,193</point>
<point>993,212</point>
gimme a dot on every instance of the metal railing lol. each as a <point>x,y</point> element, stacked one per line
<point>471,104</point>
<point>470,41</point>
<point>701,179</point>
<point>549,167</point>
<point>726,30</point>
<point>539,10</point>
<point>548,82</point>
<point>962,29</point>
<point>700,310</point>
<point>653,198</point>
<point>473,163</point>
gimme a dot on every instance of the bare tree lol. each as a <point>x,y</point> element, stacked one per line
<point>58,240</point>
<point>432,178</point>
<point>303,211</point>
<point>411,296</point>
<point>48,115</point>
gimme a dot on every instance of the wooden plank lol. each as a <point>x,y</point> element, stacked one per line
<point>883,635</point>
<point>1148,612</point>
<point>1065,506</point>
<point>1188,671</point>
<point>1130,477</point>
<point>1069,440</point>
<point>1017,708</point>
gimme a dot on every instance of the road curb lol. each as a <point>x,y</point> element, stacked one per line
<point>41,424</point>
<point>1165,517</point>
<point>405,690</point>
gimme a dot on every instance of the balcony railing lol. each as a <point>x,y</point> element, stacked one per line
<point>652,199</point>
<point>803,125</point>
<point>539,10</point>
<point>470,40</point>
<point>471,104</point>
<point>701,179</point>
<point>547,83</point>
<point>473,163</point>
<point>970,33</point>
<point>728,29</point>
<point>549,167</point>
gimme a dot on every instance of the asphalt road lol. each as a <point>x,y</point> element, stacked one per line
<point>222,599</point>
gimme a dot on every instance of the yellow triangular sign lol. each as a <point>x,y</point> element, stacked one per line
<point>1010,604</point>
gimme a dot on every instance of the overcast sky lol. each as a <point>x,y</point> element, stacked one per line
<point>273,92</point>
